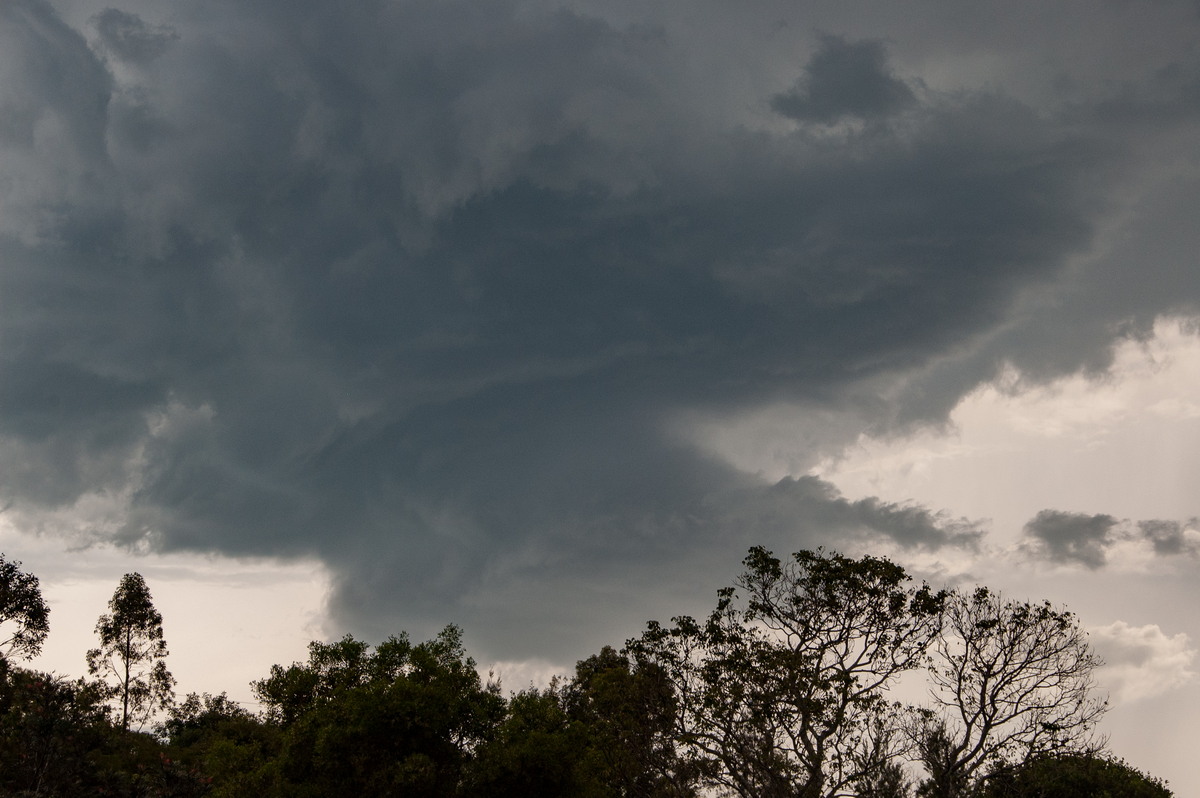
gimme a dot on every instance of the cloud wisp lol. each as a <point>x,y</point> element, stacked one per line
<point>1080,539</point>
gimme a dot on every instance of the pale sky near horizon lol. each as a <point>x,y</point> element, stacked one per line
<point>531,316</point>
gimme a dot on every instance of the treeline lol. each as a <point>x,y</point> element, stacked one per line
<point>785,689</point>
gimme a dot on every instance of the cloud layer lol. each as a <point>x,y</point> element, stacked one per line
<point>424,288</point>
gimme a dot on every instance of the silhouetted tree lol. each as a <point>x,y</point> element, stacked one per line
<point>781,691</point>
<point>24,620</point>
<point>24,616</point>
<point>1011,683</point>
<point>882,775</point>
<point>781,697</point>
<point>130,658</point>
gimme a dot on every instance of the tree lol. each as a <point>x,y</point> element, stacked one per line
<point>1075,775</point>
<point>629,711</point>
<point>404,719</point>
<point>535,749</point>
<point>1011,683</point>
<point>51,730</point>
<point>23,611</point>
<point>607,733</point>
<point>232,748</point>
<point>24,621</point>
<point>785,696</point>
<point>130,658</point>
<point>881,773</point>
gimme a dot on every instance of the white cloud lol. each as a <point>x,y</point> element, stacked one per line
<point>517,675</point>
<point>1121,444</point>
<point>1142,661</point>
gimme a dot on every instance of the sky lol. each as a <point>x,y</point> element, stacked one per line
<point>532,316</point>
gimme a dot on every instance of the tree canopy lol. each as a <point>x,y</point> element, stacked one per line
<point>781,691</point>
<point>1074,775</point>
<point>1011,682</point>
<point>784,689</point>
<point>24,616</point>
<point>130,659</point>
<point>400,719</point>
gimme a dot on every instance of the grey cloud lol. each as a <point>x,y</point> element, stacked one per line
<point>1145,263</point>
<point>826,512</point>
<point>1168,537</point>
<point>1079,538</point>
<point>423,288</point>
<point>131,38</point>
<point>1170,95</point>
<point>620,561</point>
<point>1064,537</point>
<point>40,399</point>
<point>53,113</point>
<point>845,79</point>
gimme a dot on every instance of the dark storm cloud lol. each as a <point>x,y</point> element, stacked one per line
<point>825,511</point>
<point>53,109</point>
<point>421,288</point>
<point>845,79</point>
<point>1071,537</point>
<point>643,549</point>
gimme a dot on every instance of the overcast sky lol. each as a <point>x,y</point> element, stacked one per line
<point>533,316</point>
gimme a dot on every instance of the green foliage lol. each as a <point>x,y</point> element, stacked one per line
<point>130,658</point>
<point>24,616</point>
<point>535,750</point>
<point>50,731</point>
<point>402,719</point>
<point>134,764</point>
<point>1075,776</point>
<point>630,711</point>
<point>605,734</point>
<point>231,747</point>
<point>56,741</point>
